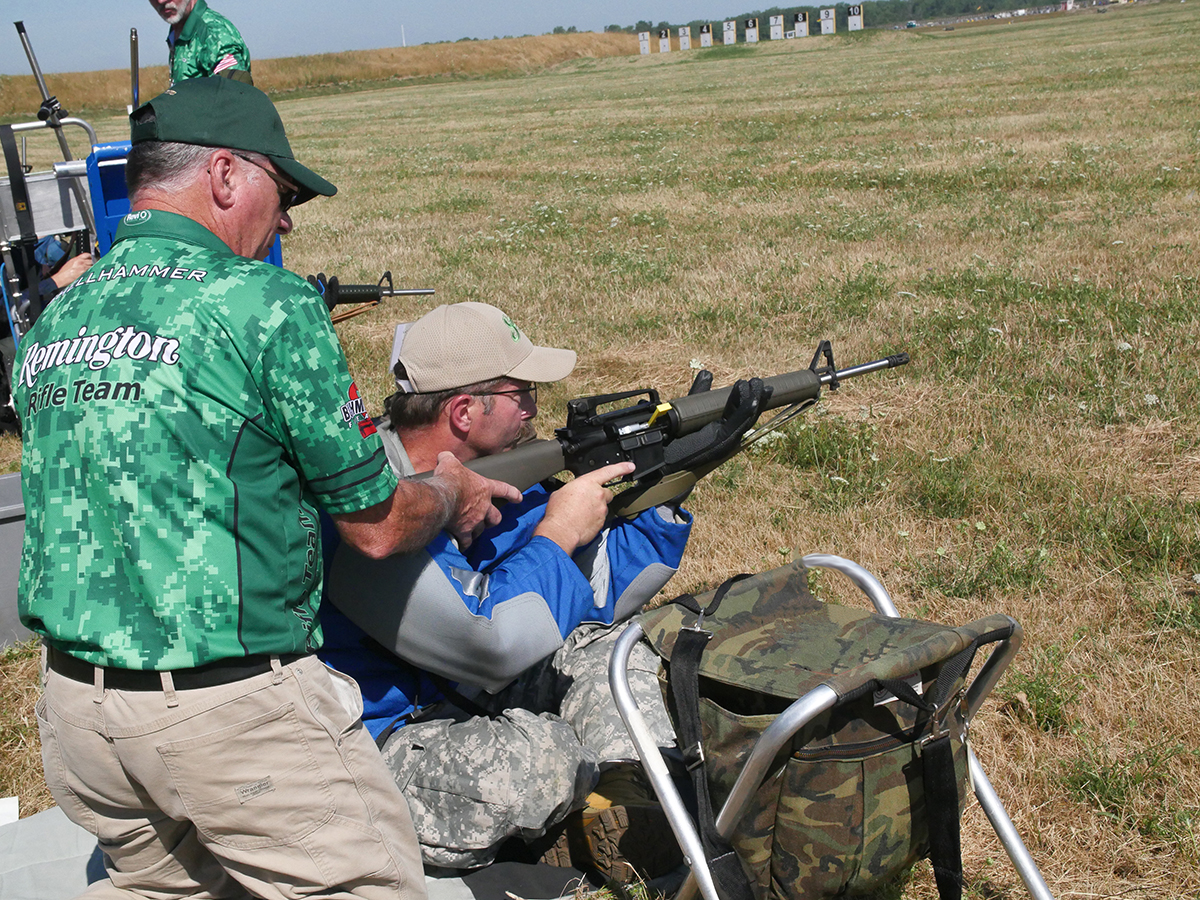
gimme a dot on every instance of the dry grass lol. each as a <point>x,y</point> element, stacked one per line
<point>1016,206</point>
<point>84,93</point>
<point>20,750</point>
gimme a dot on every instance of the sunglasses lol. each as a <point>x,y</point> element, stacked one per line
<point>531,391</point>
<point>288,192</point>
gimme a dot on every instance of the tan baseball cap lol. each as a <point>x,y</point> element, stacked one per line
<point>464,343</point>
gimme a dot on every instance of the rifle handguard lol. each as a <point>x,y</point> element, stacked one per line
<point>718,440</point>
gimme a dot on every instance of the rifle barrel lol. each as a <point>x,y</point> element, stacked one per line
<point>133,67</point>
<point>890,362</point>
<point>695,411</point>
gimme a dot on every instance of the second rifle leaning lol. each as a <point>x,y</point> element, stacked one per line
<point>367,296</point>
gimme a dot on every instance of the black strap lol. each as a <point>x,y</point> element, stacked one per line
<point>717,441</point>
<point>691,604</point>
<point>451,692</point>
<point>420,714</point>
<point>941,817</point>
<point>941,782</point>
<point>29,238</point>
<point>389,730</point>
<point>684,678</point>
<point>20,190</point>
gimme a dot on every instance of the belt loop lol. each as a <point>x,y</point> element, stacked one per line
<point>98,684</point>
<point>45,666</point>
<point>277,668</point>
<point>168,686</point>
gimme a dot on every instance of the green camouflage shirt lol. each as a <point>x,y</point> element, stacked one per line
<point>208,44</point>
<point>185,411</point>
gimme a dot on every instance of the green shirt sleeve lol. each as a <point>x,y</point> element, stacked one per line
<point>209,44</point>
<point>315,411</point>
<point>223,52</point>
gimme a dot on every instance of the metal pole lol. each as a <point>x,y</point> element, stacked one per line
<point>133,68</point>
<point>1006,831</point>
<point>862,579</point>
<point>656,769</point>
<point>51,108</point>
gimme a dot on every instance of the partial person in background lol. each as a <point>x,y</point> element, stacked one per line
<point>203,42</point>
<point>57,271</point>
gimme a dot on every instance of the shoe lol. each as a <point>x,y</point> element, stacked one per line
<point>558,853</point>
<point>623,834</point>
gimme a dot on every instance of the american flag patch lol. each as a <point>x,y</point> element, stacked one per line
<point>227,62</point>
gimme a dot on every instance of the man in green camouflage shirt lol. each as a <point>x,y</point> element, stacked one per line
<point>202,42</point>
<point>186,410</point>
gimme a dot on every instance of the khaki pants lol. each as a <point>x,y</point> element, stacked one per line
<point>268,787</point>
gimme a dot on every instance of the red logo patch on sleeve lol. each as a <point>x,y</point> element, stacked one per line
<point>355,411</point>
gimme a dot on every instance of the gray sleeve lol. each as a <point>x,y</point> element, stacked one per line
<point>651,579</point>
<point>641,590</point>
<point>407,604</point>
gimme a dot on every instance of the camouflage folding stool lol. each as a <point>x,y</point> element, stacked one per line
<point>836,738</point>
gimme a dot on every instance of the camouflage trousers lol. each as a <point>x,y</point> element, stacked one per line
<point>472,782</point>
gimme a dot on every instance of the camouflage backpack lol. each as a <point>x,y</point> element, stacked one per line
<point>861,792</point>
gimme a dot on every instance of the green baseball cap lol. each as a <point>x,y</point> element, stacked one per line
<point>221,112</point>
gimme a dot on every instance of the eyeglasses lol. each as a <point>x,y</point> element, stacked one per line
<point>531,391</point>
<point>288,192</point>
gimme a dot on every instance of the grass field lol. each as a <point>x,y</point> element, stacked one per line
<point>1015,205</point>
<point>91,94</point>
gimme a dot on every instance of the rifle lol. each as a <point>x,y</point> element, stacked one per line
<point>367,296</point>
<point>644,431</point>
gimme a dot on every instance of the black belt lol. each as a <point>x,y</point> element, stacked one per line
<point>223,671</point>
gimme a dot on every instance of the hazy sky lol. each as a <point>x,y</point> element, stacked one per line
<point>86,35</point>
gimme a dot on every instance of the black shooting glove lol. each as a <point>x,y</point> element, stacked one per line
<point>719,440</point>
<point>701,383</point>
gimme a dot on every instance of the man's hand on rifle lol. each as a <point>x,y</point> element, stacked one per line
<point>474,497</point>
<point>577,511</point>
